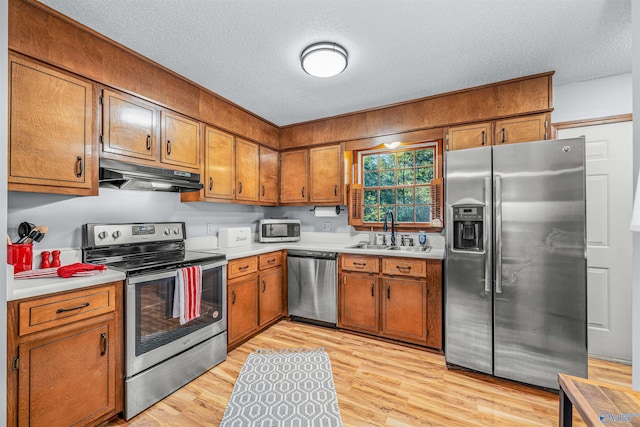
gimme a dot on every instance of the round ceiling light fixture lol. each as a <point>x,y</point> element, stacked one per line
<point>324,59</point>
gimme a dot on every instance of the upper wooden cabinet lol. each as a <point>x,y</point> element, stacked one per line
<point>293,176</point>
<point>132,127</point>
<point>180,141</point>
<point>507,131</point>
<point>326,177</point>
<point>247,170</point>
<point>314,175</point>
<point>521,129</point>
<point>218,164</point>
<point>51,128</point>
<point>129,126</point>
<point>268,176</point>
<point>470,136</point>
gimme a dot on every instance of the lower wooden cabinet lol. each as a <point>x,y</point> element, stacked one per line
<point>255,297</point>
<point>69,373</point>
<point>402,300</point>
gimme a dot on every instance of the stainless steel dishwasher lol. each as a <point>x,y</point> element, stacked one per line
<point>313,286</point>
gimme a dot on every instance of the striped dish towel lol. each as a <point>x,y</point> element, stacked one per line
<point>188,293</point>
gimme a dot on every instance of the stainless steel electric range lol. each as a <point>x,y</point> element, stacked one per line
<point>161,355</point>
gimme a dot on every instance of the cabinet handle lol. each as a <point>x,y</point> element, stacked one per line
<point>168,147</point>
<point>344,280</point>
<point>388,292</point>
<point>148,142</point>
<point>210,183</point>
<point>103,336</point>
<point>335,190</point>
<point>78,307</point>
<point>271,261</point>
<point>240,188</point>
<point>359,264</point>
<point>263,191</point>
<point>264,286</point>
<point>79,167</point>
<point>504,135</point>
<point>243,267</point>
<point>303,192</point>
<point>372,287</point>
<point>233,300</point>
<point>483,137</point>
<point>403,267</point>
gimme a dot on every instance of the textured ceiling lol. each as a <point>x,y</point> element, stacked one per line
<point>248,51</point>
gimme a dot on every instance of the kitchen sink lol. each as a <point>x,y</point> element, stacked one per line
<point>410,248</point>
<point>367,246</point>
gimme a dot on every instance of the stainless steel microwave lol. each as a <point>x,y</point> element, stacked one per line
<point>278,230</point>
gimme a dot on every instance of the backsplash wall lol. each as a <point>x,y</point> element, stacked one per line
<point>64,215</point>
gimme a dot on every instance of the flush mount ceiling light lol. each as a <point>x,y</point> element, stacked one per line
<point>324,59</point>
<point>392,144</point>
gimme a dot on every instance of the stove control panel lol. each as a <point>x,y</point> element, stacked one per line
<point>96,235</point>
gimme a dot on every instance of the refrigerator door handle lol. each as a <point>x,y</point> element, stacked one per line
<point>487,235</point>
<point>498,235</point>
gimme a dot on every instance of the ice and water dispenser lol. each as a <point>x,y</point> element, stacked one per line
<point>468,228</point>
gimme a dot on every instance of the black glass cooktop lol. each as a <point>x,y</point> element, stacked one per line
<point>158,262</point>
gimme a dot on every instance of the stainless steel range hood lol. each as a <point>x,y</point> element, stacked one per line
<point>127,176</point>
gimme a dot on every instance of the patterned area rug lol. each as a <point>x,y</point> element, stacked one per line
<point>284,388</point>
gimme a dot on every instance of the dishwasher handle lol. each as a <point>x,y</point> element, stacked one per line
<point>312,254</point>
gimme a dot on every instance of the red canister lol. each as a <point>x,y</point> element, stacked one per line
<point>20,255</point>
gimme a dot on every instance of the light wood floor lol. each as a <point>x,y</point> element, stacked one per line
<point>378,384</point>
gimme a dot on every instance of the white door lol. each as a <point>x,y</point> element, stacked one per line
<point>609,171</point>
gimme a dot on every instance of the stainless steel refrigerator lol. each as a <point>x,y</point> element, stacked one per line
<point>515,267</point>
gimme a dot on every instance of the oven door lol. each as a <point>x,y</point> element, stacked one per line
<point>152,333</point>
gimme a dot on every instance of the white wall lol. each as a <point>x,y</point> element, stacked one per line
<point>4,7</point>
<point>609,96</point>
<point>635,306</point>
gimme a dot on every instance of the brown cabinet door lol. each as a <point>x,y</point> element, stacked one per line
<point>128,126</point>
<point>180,141</point>
<point>521,129</point>
<point>68,379</point>
<point>469,136</point>
<point>242,303</point>
<point>268,176</point>
<point>270,295</point>
<point>404,309</point>
<point>434,303</point>
<point>359,263</point>
<point>325,172</point>
<point>218,164</point>
<point>293,176</point>
<point>247,170</point>
<point>50,130</point>
<point>358,302</point>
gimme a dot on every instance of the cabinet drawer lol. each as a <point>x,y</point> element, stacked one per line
<point>365,264</point>
<point>48,312</point>
<point>269,260</point>
<point>242,266</point>
<point>404,267</point>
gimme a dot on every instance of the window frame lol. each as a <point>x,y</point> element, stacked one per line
<point>358,170</point>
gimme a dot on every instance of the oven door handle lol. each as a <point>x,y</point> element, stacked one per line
<point>172,273</point>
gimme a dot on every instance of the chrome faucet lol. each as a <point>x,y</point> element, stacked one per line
<point>393,227</point>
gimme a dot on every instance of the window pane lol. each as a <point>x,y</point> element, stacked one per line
<point>424,157</point>
<point>405,177</point>
<point>405,196</point>
<point>423,195</point>
<point>423,213</point>
<point>387,197</point>
<point>424,175</point>
<point>371,162</point>
<point>371,179</point>
<point>371,214</point>
<point>387,178</point>
<point>404,214</point>
<point>405,160</point>
<point>387,161</point>
<point>370,197</point>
